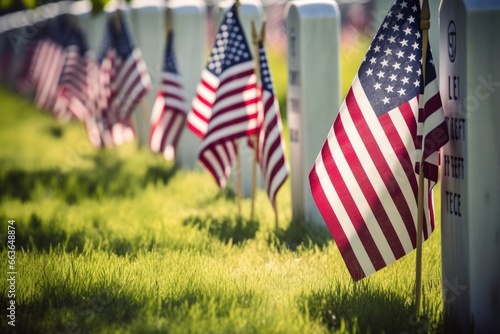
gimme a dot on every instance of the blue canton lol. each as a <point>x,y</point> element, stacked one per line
<point>118,39</point>
<point>391,71</point>
<point>170,63</point>
<point>267,83</point>
<point>230,46</point>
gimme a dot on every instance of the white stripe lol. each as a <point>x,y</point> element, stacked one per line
<point>157,109</point>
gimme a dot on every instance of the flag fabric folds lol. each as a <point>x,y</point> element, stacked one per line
<point>123,82</point>
<point>76,88</point>
<point>271,145</point>
<point>225,106</point>
<point>365,179</point>
<point>169,112</point>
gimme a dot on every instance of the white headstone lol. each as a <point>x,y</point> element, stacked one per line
<point>313,101</point>
<point>249,10</point>
<point>148,23</point>
<point>189,24</point>
<point>470,191</point>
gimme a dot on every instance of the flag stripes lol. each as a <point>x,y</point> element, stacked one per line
<point>227,98</point>
<point>365,179</point>
<point>271,145</point>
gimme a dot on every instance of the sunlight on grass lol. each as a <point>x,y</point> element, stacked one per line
<point>120,241</point>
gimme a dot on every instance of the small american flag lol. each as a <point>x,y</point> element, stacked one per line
<point>364,180</point>
<point>169,110</point>
<point>271,145</point>
<point>74,98</point>
<point>226,99</point>
<point>123,81</point>
<point>48,63</point>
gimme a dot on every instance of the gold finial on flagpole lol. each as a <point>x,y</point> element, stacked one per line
<point>425,24</point>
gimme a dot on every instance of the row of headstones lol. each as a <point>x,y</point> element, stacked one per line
<point>469,53</point>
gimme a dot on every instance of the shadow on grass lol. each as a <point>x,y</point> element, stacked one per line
<point>298,235</point>
<point>362,308</point>
<point>226,229</point>
<point>106,179</point>
<point>44,236</point>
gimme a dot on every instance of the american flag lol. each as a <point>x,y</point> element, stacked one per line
<point>365,180</point>
<point>48,62</point>
<point>123,81</point>
<point>226,99</point>
<point>74,94</point>
<point>271,145</point>
<point>169,110</point>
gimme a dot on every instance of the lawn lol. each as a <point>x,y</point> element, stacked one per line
<point>121,241</point>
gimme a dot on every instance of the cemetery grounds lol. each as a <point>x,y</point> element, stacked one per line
<point>121,241</point>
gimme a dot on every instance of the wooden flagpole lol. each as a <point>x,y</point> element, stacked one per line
<point>255,139</point>
<point>239,182</point>
<point>425,24</point>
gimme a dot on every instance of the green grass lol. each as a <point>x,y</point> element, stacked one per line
<point>121,241</point>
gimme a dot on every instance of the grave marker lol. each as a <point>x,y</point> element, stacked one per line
<point>470,192</point>
<point>313,100</point>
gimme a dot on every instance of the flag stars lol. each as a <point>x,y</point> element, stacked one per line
<point>403,4</point>
<point>417,34</point>
<point>392,39</point>
<point>384,63</point>
<point>377,86</point>
<point>405,81</point>
<point>416,83</point>
<point>408,69</point>
<point>411,19</point>
<point>376,49</point>
<point>400,54</point>
<point>369,72</point>
<point>387,52</point>
<point>389,89</point>
<point>393,77</point>
<point>400,16</point>
<point>419,71</point>
<point>414,8</point>
<point>381,75</point>
<point>411,57</point>
<point>402,92</point>
<point>385,25</point>
<point>395,28</point>
<point>381,37</point>
<point>407,31</point>
<point>404,42</point>
<point>397,66</point>
<point>385,100</point>
<point>415,46</point>
<point>373,60</point>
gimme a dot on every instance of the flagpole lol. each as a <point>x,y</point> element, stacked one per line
<point>256,41</point>
<point>239,186</point>
<point>239,183</point>
<point>425,23</point>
